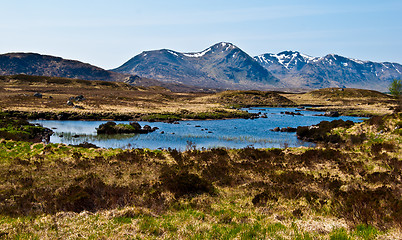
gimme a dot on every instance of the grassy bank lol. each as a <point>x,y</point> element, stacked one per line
<point>116,116</point>
<point>12,128</point>
<point>337,191</point>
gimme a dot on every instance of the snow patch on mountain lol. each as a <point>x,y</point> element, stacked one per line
<point>171,52</point>
<point>196,55</point>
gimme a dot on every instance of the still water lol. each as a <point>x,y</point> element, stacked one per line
<point>231,133</point>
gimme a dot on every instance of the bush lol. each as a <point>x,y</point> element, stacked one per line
<point>182,183</point>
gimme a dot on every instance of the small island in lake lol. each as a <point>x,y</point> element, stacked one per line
<point>132,127</point>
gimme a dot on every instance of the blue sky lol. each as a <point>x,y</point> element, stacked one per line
<point>108,33</point>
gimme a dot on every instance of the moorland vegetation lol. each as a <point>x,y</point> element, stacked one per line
<point>346,188</point>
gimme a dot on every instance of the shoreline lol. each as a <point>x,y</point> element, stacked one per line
<point>169,117</point>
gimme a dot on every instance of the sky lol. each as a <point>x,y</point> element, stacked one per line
<point>109,33</point>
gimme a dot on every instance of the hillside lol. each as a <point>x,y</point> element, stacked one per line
<point>222,66</point>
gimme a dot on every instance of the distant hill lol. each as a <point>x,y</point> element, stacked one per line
<point>222,66</point>
<point>297,70</point>
<point>45,65</point>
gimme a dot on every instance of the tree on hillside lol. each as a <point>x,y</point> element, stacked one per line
<point>396,90</point>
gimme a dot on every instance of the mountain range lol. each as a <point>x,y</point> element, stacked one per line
<point>221,66</point>
<point>299,70</point>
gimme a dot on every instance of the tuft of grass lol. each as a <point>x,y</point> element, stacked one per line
<point>340,234</point>
<point>365,232</point>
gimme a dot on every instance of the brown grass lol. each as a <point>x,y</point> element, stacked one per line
<point>347,101</point>
<point>100,97</point>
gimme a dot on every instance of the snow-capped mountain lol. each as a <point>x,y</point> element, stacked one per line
<point>300,70</point>
<point>222,65</point>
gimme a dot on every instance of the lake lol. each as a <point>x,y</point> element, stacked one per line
<point>229,133</point>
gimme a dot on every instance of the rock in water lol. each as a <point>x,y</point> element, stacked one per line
<point>331,114</point>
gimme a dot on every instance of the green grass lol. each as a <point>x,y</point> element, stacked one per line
<point>340,234</point>
<point>366,232</point>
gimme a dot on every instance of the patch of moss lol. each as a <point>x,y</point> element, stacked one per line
<point>21,130</point>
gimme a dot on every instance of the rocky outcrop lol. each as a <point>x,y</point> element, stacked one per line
<point>285,129</point>
<point>133,127</point>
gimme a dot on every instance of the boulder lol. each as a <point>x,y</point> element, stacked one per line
<point>77,98</point>
<point>69,103</point>
<point>277,129</point>
<point>78,107</point>
<point>38,95</point>
<point>147,128</point>
<point>135,125</point>
<point>331,114</point>
<point>288,129</point>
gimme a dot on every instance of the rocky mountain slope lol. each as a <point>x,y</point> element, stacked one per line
<point>299,70</point>
<point>222,65</point>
